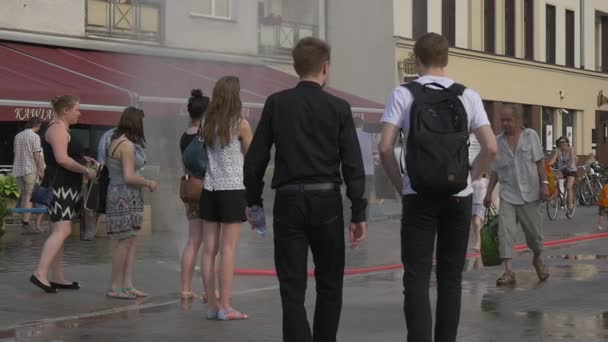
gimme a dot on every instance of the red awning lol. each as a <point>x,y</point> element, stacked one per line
<point>148,76</point>
<point>27,78</point>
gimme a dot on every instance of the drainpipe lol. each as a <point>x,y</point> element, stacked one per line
<point>326,3</point>
<point>582,35</point>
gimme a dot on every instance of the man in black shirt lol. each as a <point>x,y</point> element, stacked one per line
<point>316,145</point>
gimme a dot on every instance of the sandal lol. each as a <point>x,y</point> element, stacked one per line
<point>507,279</point>
<point>135,292</point>
<point>541,269</point>
<point>188,295</point>
<point>120,294</point>
<point>231,315</point>
<point>212,314</point>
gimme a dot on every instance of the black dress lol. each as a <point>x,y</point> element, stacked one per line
<point>67,185</point>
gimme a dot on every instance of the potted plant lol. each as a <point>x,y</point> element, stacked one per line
<point>9,194</point>
<point>4,212</point>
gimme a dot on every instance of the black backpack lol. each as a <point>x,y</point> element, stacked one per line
<point>437,158</point>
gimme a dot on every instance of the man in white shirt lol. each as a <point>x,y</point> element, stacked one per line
<point>426,216</point>
<point>520,169</point>
<point>28,166</point>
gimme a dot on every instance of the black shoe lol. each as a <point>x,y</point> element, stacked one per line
<point>48,289</point>
<point>73,286</point>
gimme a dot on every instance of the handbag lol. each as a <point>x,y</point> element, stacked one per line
<point>490,252</point>
<point>190,188</point>
<point>97,191</point>
<point>43,195</point>
<point>195,157</point>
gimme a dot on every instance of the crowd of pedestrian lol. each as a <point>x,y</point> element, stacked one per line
<point>446,186</point>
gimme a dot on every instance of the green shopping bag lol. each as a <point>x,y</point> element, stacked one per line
<point>490,255</point>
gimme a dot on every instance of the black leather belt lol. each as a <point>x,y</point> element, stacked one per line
<point>309,187</point>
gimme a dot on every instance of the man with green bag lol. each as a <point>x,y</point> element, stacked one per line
<point>490,248</point>
<point>520,169</point>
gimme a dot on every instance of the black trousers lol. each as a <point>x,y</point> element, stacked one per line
<point>302,220</point>
<point>425,218</point>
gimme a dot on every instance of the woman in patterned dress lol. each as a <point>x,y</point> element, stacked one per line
<point>65,167</point>
<point>222,205</point>
<point>125,204</point>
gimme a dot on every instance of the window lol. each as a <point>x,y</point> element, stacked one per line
<point>131,19</point>
<point>569,125</point>
<point>547,128</point>
<point>420,17</point>
<point>448,20</point>
<point>527,116</point>
<point>603,42</point>
<point>529,29</point>
<point>551,34</point>
<point>569,38</point>
<point>212,8</point>
<point>510,28</point>
<point>489,26</point>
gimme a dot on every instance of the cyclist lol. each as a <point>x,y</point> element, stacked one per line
<point>565,157</point>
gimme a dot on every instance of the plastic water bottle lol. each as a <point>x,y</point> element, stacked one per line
<point>258,220</point>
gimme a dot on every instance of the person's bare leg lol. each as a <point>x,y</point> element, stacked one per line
<point>211,236</point>
<point>189,255</point>
<point>26,204</point>
<point>57,270</point>
<point>476,225</point>
<point>127,275</point>
<point>39,222</point>
<point>599,222</point>
<point>119,256</point>
<point>229,242</point>
<point>508,263</point>
<point>52,246</point>
<point>570,187</point>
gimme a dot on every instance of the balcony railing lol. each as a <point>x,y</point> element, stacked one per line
<point>278,37</point>
<point>129,19</point>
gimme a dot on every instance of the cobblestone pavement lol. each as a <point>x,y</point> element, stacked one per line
<point>571,306</point>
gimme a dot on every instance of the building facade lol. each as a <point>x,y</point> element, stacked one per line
<point>548,55</point>
<point>249,28</point>
<point>247,32</point>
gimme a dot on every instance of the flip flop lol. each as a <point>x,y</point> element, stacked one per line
<point>188,295</point>
<point>135,292</point>
<point>231,315</point>
<point>120,293</point>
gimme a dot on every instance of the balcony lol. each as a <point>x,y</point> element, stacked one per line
<point>278,36</point>
<point>126,19</point>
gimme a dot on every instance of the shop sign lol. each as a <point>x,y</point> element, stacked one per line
<point>28,113</point>
<point>601,99</point>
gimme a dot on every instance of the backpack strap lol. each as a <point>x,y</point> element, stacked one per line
<point>457,88</point>
<point>415,88</point>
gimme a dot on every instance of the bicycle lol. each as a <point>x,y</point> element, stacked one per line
<point>559,201</point>
<point>590,186</point>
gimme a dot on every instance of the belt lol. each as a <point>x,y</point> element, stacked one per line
<point>309,187</point>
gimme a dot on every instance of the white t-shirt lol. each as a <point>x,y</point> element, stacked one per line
<point>366,142</point>
<point>474,148</point>
<point>397,112</point>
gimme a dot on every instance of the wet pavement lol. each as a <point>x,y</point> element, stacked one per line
<point>571,306</point>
